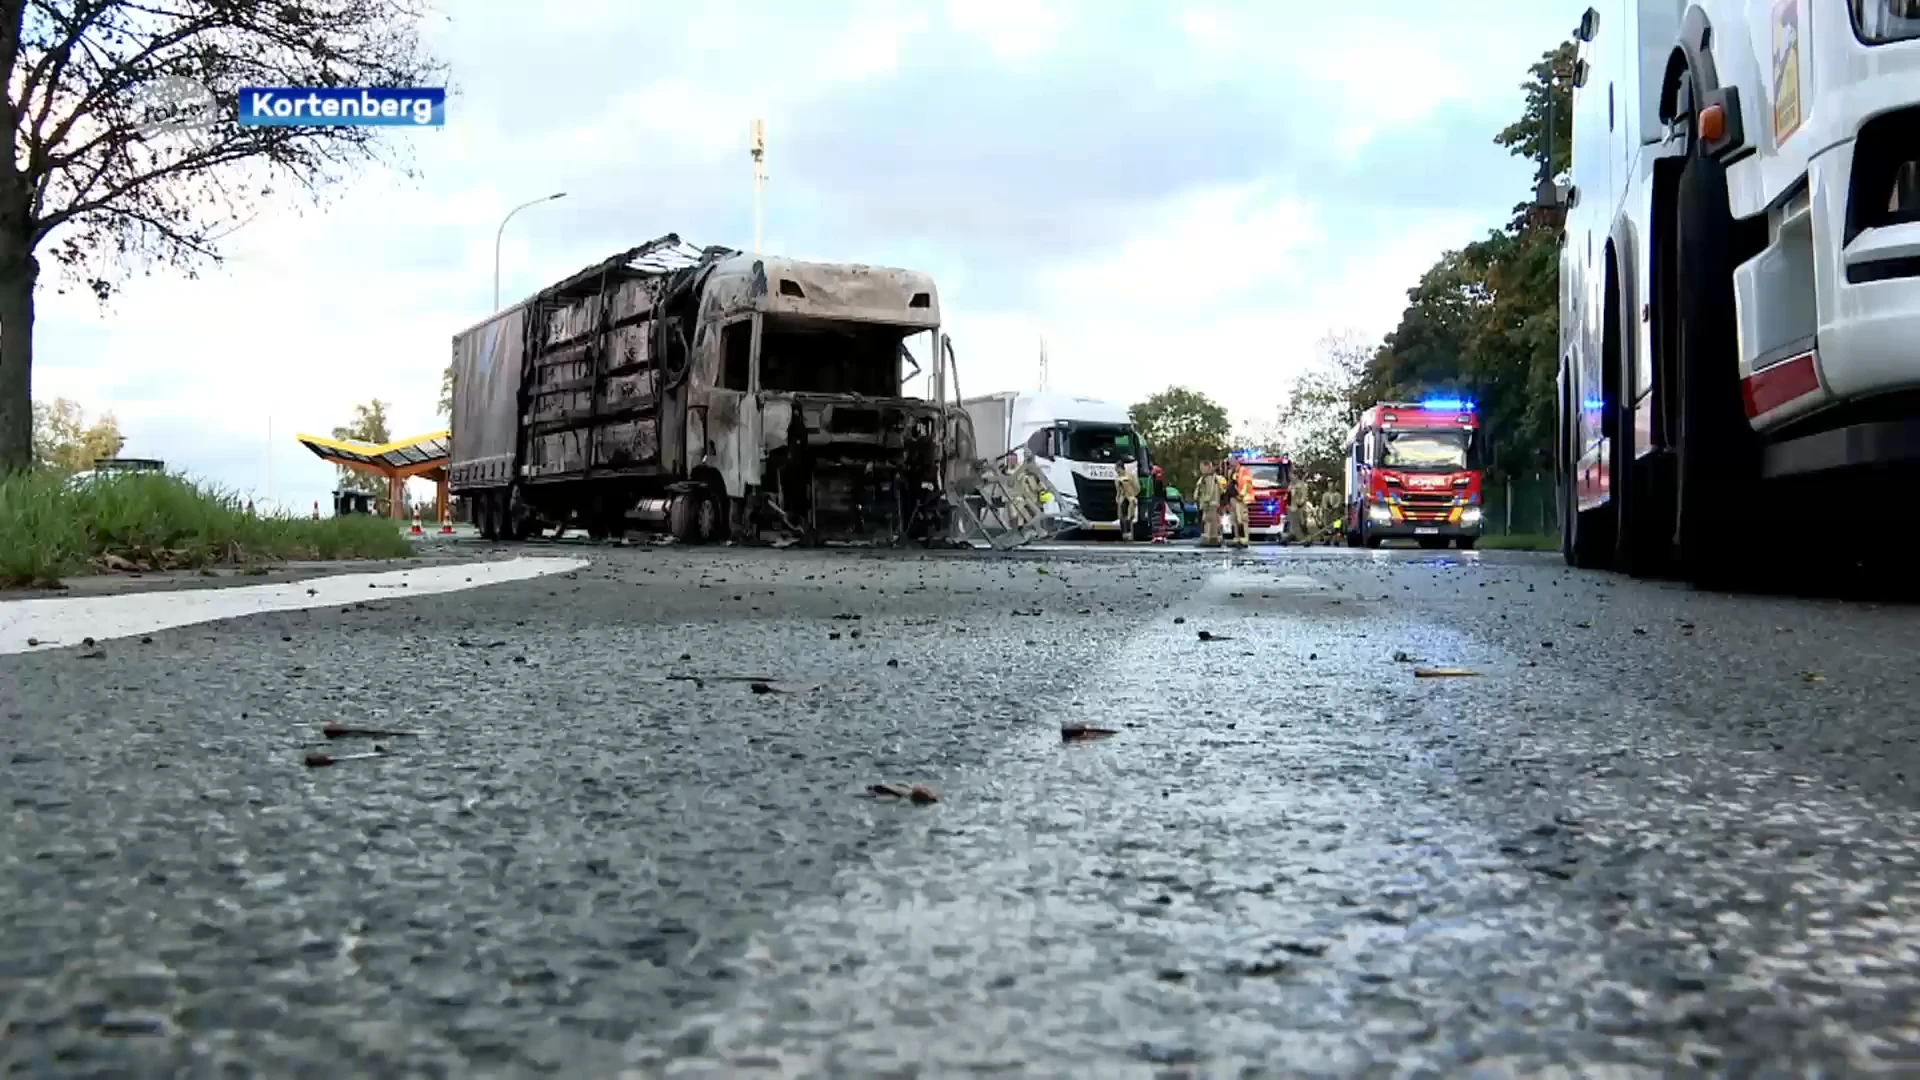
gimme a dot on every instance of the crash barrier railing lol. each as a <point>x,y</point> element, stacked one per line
<point>1005,508</point>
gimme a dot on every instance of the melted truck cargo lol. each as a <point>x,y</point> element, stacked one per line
<point>764,392</point>
<point>486,404</point>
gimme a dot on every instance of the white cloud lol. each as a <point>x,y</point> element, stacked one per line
<point>1013,29</point>
<point>1225,286</point>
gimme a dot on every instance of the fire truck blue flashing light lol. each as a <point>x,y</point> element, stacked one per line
<point>1447,404</point>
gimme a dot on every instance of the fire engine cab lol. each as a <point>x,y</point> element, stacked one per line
<point>1410,475</point>
<point>1272,481</point>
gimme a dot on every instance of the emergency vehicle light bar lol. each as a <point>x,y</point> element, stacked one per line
<point>1447,404</point>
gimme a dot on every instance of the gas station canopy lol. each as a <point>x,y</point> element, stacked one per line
<point>418,456</point>
<point>424,456</point>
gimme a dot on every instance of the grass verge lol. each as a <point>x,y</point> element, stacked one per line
<point>1520,542</point>
<point>51,528</point>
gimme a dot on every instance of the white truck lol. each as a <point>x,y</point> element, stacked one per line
<point>1740,273</point>
<point>1077,444</point>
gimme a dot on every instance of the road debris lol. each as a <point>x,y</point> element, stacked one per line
<point>342,731</point>
<point>1208,635</point>
<point>1084,732</point>
<point>919,794</point>
<point>1401,656</point>
<point>317,760</point>
<point>1812,677</point>
<point>1444,673</point>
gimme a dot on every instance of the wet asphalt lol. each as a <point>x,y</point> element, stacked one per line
<point>1659,830</point>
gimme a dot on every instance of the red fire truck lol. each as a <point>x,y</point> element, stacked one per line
<point>1410,475</point>
<point>1272,479</point>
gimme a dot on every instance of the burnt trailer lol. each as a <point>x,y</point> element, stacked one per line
<point>713,393</point>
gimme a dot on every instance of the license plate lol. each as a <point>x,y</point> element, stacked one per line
<point>1101,472</point>
<point>1426,532</point>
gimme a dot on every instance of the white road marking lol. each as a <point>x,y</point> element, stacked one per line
<point>61,621</point>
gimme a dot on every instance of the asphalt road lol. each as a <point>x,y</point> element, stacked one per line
<point>1657,830</point>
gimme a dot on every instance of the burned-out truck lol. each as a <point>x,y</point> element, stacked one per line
<point>715,393</point>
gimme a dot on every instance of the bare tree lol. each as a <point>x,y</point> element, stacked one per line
<point>1323,403</point>
<point>127,151</point>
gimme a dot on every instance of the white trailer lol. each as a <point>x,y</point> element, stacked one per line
<point>1740,272</point>
<point>1077,444</point>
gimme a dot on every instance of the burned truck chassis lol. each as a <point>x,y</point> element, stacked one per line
<point>603,441</point>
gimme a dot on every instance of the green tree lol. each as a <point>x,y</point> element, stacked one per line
<point>1549,102</point>
<point>1322,405</point>
<point>446,392</point>
<point>1182,428</point>
<point>126,150</point>
<point>65,441</point>
<point>369,425</point>
<point>1484,320</point>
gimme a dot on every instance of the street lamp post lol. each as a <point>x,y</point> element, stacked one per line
<point>502,231</point>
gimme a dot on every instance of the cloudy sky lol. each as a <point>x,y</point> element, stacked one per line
<point>1168,192</point>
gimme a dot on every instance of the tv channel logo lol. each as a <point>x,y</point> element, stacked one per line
<point>341,106</point>
<point>173,104</point>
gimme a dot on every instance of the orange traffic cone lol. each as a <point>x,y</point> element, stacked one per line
<point>446,523</point>
<point>416,531</point>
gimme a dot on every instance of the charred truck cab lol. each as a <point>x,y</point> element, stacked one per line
<point>1411,475</point>
<point>708,391</point>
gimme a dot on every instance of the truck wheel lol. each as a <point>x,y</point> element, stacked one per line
<point>1718,452</point>
<point>683,516</point>
<point>514,526</point>
<point>1465,543</point>
<point>712,513</point>
<point>483,517</point>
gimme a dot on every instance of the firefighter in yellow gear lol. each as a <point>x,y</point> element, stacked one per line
<point>1126,490</point>
<point>1207,494</point>
<point>1031,492</point>
<point>1240,493</point>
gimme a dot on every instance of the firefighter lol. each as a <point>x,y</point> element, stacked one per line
<point>1126,489</point>
<point>1033,494</point>
<point>1020,509</point>
<point>1208,493</point>
<point>1240,496</point>
<point>1332,511</point>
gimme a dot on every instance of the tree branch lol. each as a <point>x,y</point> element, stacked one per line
<point>96,173</point>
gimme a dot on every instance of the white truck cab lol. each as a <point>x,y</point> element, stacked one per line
<point>1740,267</point>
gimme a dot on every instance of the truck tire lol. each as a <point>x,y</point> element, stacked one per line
<point>1718,454</point>
<point>1465,543</point>
<point>483,517</point>
<point>714,521</point>
<point>683,516</point>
